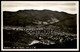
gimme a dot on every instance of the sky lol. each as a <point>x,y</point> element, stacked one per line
<point>65,6</point>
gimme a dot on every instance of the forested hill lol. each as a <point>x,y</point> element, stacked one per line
<point>34,17</point>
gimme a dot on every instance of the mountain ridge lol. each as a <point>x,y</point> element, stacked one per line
<point>31,16</point>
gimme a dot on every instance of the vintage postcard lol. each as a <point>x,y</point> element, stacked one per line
<point>39,25</point>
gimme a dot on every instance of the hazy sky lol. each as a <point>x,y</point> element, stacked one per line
<point>66,6</point>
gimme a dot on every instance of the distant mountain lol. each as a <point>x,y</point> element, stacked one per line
<point>69,24</point>
<point>34,17</point>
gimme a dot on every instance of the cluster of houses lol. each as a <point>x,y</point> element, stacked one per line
<point>44,33</point>
<point>32,30</point>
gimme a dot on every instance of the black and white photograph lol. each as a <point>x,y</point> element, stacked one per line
<point>39,25</point>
